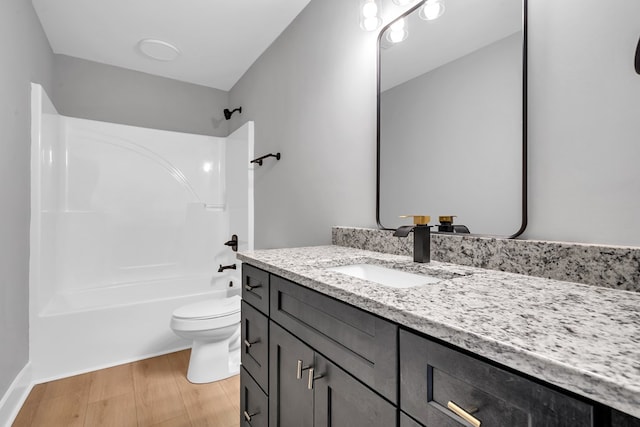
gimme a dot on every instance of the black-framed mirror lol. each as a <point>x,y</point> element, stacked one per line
<point>452,116</point>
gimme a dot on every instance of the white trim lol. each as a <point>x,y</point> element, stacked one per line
<point>15,396</point>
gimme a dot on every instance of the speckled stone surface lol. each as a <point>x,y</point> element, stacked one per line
<point>582,338</point>
<point>614,267</point>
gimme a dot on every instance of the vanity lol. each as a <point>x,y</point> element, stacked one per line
<point>474,347</point>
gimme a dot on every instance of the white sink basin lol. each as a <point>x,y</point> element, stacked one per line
<point>385,276</point>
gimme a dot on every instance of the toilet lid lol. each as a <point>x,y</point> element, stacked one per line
<point>209,309</point>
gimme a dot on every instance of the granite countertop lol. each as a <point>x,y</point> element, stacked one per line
<point>581,338</point>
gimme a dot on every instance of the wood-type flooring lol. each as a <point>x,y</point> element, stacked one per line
<point>150,392</point>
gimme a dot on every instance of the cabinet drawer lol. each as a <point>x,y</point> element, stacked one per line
<point>255,287</point>
<point>432,375</point>
<point>254,405</point>
<point>361,343</point>
<point>255,344</point>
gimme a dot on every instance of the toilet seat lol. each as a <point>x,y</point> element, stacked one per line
<point>207,315</point>
<point>209,309</point>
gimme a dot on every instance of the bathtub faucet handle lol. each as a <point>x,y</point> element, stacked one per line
<point>233,243</point>
<point>226,267</point>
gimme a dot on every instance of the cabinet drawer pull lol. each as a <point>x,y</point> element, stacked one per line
<point>465,415</point>
<point>248,343</point>
<point>250,288</point>
<point>312,378</point>
<point>247,416</point>
<point>300,368</point>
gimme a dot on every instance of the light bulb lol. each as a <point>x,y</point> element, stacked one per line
<point>369,19</point>
<point>397,31</point>
<point>370,9</point>
<point>371,24</point>
<point>432,9</point>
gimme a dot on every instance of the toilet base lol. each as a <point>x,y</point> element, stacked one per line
<point>212,361</point>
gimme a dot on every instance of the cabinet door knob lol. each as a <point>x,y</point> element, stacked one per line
<point>247,416</point>
<point>300,368</point>
<point>248,343</point>
<point>465,415</point>
<point>312,378</point>
<point>250,288</point>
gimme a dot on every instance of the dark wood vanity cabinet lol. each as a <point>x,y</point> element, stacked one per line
<point>328,363</point>
<point>310,360</point>
<point>306,390</point>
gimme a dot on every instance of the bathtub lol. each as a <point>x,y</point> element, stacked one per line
<point>127,224</point>
<point>88,330</point>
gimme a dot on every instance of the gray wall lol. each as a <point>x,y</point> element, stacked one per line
<point>95,91</point>
<point>26,57</point>
<point>312,96</point>
<point>451,141</point>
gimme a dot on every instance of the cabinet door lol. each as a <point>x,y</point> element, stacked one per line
<point>255,344</point>
<point>290,401</point>
<point>254,408</point>
<point>341,400</point>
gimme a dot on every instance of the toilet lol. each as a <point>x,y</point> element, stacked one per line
<point>214,328</point>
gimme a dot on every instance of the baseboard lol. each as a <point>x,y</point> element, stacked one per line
<point>15,396</point>
<point>108,365</point>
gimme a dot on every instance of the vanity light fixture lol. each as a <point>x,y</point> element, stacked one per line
<point>369,15</point>
<point>432,9</point>
<point>397,32</point>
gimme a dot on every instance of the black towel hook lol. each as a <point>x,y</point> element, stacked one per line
<point>260,159</point>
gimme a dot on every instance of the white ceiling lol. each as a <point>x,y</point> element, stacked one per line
<point>218,39</point>
<point>466,26</point>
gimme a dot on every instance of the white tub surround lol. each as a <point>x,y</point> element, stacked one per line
<point>584,339</point>
<point>616,267</point>
<point>127,225</point>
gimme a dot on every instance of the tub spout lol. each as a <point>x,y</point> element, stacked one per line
<point>226,267</point>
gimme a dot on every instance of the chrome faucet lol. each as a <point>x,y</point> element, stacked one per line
<point>226,267</point>
<point>421,238</point>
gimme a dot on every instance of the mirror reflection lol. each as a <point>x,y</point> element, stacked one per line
<point>451,122</point>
